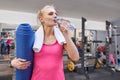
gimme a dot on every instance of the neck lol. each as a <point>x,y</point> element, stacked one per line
<point>49,37</point>
<point>48,30</point>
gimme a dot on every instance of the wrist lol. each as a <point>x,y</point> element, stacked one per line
<point>12,62</point>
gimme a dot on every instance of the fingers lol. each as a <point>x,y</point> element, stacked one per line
<point>23,64</point>
<point>64,24</point>
<point>20,63</point>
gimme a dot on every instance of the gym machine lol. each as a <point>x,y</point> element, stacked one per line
<point>108,42</point>
<point>116,37</point>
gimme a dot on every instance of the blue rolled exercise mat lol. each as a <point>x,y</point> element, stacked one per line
<point>24,42</point>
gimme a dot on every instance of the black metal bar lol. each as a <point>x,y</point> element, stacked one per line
<point>107,46</point>
<point>75,35</point>
<point>83,45</point>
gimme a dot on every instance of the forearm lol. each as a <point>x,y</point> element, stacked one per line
<point>71,48</point>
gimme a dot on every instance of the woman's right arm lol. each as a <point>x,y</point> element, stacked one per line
<point>20,63</point>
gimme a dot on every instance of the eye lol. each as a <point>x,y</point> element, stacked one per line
<point>52,13</point>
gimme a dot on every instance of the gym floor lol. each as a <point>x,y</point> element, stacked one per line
<point>98,74</point>
<point>103,73</point>
<point>6,73</point>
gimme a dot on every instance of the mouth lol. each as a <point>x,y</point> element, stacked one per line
<point>54,21</point>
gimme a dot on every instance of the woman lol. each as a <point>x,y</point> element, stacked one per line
<point>48,64</point>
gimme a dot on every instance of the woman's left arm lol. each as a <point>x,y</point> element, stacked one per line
<point>70,47</point>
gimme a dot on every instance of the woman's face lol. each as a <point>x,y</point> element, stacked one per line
<point>49,14</point>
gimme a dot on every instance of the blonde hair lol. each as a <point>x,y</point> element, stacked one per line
<point>40,12</point>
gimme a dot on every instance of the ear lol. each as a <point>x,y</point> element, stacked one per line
<point>41,19</point>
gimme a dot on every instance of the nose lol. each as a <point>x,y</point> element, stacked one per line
<point>55,15</point>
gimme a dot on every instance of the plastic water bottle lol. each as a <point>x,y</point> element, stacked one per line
<point>71,26</point>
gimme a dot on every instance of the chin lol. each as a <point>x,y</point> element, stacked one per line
<point>55,24</point>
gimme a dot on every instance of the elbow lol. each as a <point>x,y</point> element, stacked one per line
<point>76,59</point>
